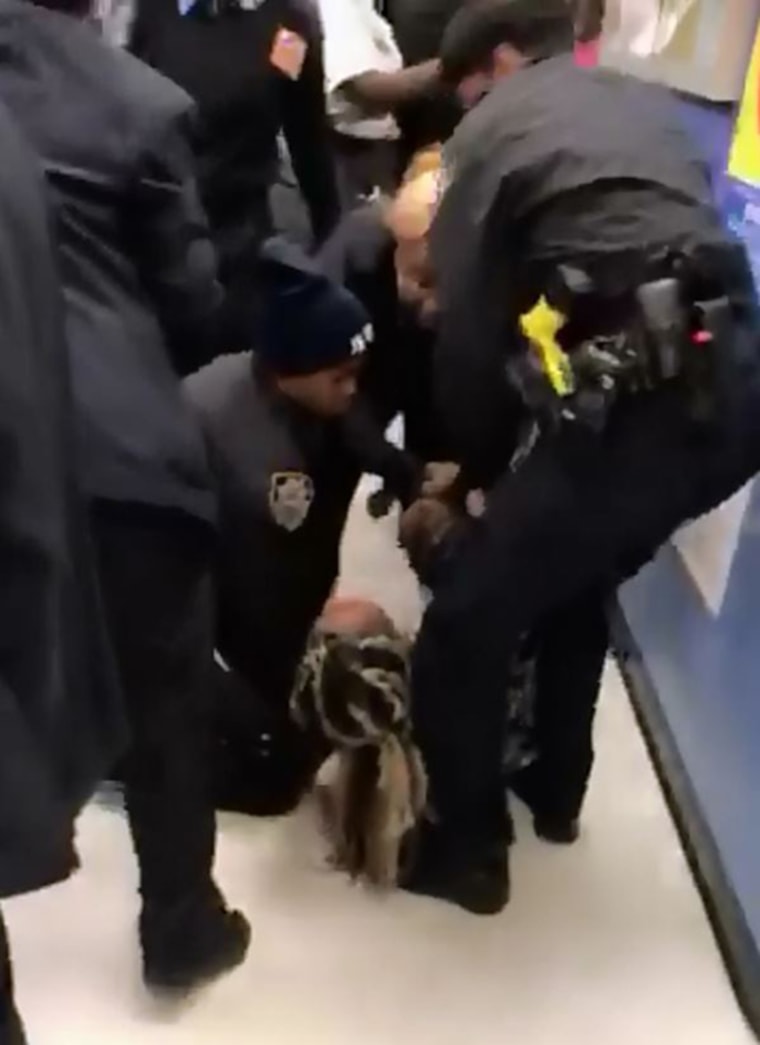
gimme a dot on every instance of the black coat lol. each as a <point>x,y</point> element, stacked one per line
<point>285,480</point>
<point>137,264</point>
<point>61,724</point>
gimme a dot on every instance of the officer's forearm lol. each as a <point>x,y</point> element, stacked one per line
<point>401,471</point>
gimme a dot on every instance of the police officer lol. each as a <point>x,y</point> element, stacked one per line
<point>254,69</point>
<point>288,443</point>
<point>143,307</point>
<point>582,263</point>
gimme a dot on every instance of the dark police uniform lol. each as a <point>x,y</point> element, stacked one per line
<point>227,61</point>
<point>285,481</point>
<point>61,716</point>
<point>142,302</point>
<point>557,166</point>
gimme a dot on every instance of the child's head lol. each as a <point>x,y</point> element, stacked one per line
<point>314,333</point>
<point>409,218</point>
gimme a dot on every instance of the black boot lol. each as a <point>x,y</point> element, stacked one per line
<point>189,945</point>
<point>472,874</point>
<point>559,830</point>
<point>557,826</point>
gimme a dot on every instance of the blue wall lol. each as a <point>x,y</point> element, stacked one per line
<point>704,671</point>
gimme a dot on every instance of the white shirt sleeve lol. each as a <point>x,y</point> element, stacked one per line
<point>350,46</point>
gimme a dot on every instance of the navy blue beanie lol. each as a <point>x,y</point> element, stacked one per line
<point>308,323</point>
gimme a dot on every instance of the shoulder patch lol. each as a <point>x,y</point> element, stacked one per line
<point>291,495</point>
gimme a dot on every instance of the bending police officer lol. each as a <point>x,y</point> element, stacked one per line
<point>583,169</point>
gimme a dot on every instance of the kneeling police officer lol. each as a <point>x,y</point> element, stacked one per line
<point>289,438</point>
<point>580,264</point>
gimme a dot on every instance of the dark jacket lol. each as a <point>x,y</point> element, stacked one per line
<point>398,376</point>
<point>285,481</point>
<point>224,63</point>
<point>556,165</point>
<point>137,265</point>
<point>61,724</point>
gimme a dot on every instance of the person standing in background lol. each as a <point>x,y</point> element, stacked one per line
<point>61,716</point>
<point>366,85</point>
<point>254,69</point>
<point>143,307</point>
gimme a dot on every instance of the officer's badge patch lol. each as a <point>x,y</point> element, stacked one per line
<point>291,495</point>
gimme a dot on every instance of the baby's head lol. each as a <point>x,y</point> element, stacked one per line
<point>409,218</point>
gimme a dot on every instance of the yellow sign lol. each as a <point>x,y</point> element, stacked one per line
<point>744,160</point>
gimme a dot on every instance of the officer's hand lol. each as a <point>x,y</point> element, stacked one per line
<point>439,479</point>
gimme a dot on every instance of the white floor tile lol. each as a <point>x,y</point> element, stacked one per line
<point>604,942</point>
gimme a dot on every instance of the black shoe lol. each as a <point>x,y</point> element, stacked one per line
<point>557,830</point>
<point>473,876</point>
<point>184,951</point>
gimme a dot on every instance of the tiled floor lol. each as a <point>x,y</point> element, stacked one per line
<point>606,942</point>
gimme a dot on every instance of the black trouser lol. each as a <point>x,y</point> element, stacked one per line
<point>571,650</point>
<point>156,582</point>
<point>11,1031</point>
<point>260,761</point>
<point>570,521</point>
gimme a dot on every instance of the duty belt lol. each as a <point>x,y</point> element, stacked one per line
<point>666,333</point>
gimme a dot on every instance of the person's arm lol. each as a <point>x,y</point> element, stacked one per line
<point>172,246</point>
<point>400,471</point>
<point>381,92</point>
<point>352,60</point>
<point>307,132</point>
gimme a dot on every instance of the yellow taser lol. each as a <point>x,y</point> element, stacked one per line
<point>540,326</point>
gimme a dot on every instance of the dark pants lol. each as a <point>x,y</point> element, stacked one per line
<point>155,576</point>
<point>571,652</point>
<point>261,762</point>
<point>11,1031</point>
<point>575,518</point>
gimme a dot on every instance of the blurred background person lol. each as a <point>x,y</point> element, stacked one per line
<point>254,70</point>
<point>61,720</point>
<point>143,307</point>
<point>367,84</point>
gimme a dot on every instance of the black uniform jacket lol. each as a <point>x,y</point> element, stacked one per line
<point>61,724</point>
<point>556,165</point>
<point>285,481</point>
<point>137,264</point>
<point>225,63</point>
